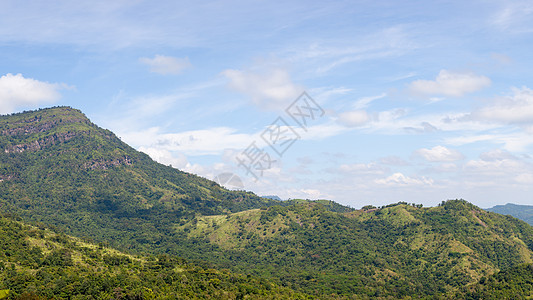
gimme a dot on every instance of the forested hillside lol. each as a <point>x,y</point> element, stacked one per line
<point>39,263</point>
<point>394,251</point>
<point>57,168</point>
<point>513,283</point>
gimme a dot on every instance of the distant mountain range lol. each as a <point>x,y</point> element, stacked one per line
<point>59,170</point>
<point>522,212</point>
<point>273,197</point>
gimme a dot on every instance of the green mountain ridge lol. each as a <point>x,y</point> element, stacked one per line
<point>58,168</point>
<point>37,262</point>
<point>522,212</point>
<point>395,251</point>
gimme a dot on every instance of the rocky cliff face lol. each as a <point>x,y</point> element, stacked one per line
<point>39,144</point>
<point>36,124</point>
<point>31,132</point>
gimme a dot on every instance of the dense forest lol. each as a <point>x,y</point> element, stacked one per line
<point>180,235</point>
<point>39,263</point>
<point>393,251</point>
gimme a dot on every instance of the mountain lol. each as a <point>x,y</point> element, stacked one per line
<point>37,262</point>
<point>395,251</point>
<point>273,197</point>
<point>327,204</point>
<point>522,212</point>
<point>59,168</point>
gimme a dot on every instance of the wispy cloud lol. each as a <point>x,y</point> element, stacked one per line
<point>439,154</point>
<point>516,141</point>
<point>272,88</point>
<point>399,179</point>
<point>332,53</point>
<point>514,109</point>
<point>365,101</point>
<point>514,17</point>
<point>166,64</point>
<point>354,118</point>
<point>195,142</point>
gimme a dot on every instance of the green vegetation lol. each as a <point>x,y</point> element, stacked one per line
<point>522,212</point>
<point>59,169</point>
<point>514,283</point>
<point>327,204</point>
<point>39,263</point>
<point>396,251</point>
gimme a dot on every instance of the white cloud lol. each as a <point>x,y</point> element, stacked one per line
<point>166,157</point>
<point>398,179</point>
<point>193,142</point>
<point>321,131</point>
<point>439,154</point>
<point>328,93</point>
<point>166,64</point>
<point>17,91</point>
<point>451,84</point>
<point>393,161</point>
<point>424,127</point>
<point>493,168</point>
<point>361,169</point>
<point>498,166</point>
<point>495,155</point>
<point>524,178</point>
<point>180,161</point>
<point>354,118</point>
<point>463,140</point>
<point>515,109</point>
<point>271,89</point>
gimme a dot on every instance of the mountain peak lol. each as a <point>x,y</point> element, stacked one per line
<point>66,112</point>
<point>35,130</point>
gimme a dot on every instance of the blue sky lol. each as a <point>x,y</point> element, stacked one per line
<point>417,101</point>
